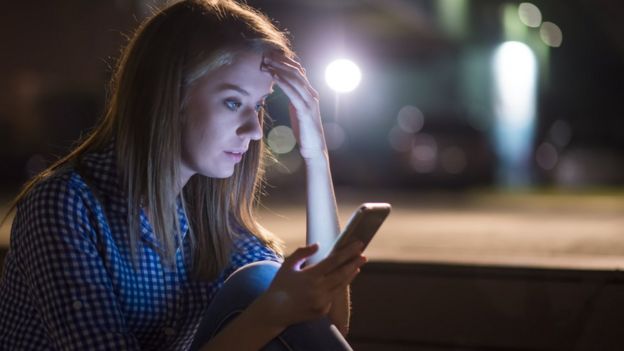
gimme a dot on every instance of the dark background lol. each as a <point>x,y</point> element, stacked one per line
<point>57,57</point>
<point>461,263</point>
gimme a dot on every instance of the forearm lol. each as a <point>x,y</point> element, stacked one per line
<point>323,227</point>
<point>322,214</point>
<point>251,330</point>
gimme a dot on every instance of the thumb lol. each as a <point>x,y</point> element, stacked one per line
<point>296,258</point>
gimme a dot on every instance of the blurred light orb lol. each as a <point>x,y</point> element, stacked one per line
<point>335,135</point>
<point>424,153</point>
<point>410,119</point>
<point>399,140</point>
<point>343,75</point>
<point>546,156</point>
<point>515,68</point>
<point>281,139</point>
<point>453,160</point>
<point>551,34</point>
<point>515,72</point>
<point>560,133</point>
<point>529,14</point>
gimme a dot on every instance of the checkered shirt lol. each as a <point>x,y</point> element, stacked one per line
<point>68,281</point>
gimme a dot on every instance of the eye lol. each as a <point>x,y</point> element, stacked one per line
<point>232,105</point>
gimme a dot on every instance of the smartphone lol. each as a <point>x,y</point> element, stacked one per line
<point>363,224</point>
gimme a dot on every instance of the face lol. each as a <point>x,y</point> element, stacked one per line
<point>223,117</point>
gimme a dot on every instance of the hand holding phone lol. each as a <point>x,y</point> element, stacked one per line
<point>363,224</point>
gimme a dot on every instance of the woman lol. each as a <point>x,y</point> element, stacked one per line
<point>127,242</point>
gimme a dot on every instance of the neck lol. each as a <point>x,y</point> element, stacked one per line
<point>185,175</point>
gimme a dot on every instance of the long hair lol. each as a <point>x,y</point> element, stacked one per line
<point>144,115</point>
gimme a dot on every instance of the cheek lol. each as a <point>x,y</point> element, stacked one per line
<point>190,132</point>
<point>202,136</point>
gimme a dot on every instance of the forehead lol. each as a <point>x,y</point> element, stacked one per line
<point>244,71</point>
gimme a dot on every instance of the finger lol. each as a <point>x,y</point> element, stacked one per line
<point>289,61</point>
<point>293,72</point>
<point>293,94</point>
<point>296,259</point>
<point>343,285</point>
<point>295,81</point>
<point>339,257</point>
<point>298,65</point>
<point>295,69</point>
<point>343,274</point>
<point>276,56</point>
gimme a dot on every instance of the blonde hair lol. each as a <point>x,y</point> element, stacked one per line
<point>144,115</point>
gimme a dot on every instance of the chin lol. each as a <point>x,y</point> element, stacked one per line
<point>225,176</point>
<point>222,174</point>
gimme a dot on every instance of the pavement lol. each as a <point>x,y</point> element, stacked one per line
<point>530,229</point>
<point>578,230</point>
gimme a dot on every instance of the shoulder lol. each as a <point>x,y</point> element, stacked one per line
<point>58,203</point>
<point>248,248</point>
<point>63,189</point>
<point>55,222</point>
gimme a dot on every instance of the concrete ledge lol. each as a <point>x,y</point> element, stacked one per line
<point>437,306</point>
<point>399,306</point>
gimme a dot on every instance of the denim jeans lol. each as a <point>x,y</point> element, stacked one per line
<point>240,290</point>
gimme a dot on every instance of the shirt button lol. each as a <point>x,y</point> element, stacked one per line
<point>77,305</point>
<point>169,331</point>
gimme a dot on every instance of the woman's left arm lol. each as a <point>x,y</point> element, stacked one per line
<point>323,228</point>
<point>321,214</point>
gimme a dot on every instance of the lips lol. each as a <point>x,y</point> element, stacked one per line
<point>240,152</point>
<point>235,155</point>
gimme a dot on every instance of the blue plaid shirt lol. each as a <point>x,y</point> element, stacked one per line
<point>68,282</point>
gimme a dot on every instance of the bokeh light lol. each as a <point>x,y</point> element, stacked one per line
<point>399,139</point>
<point>343,75</point>
<point>410,119</point>
<point>529,14</point>
<point>551,34</point>
<point>515,74</point>
<point>424,153</point>
<point>335,135</point>
<point>546,156</point>
<point>281,139</point>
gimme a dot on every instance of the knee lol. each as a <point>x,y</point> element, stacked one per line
<point>253,278</point>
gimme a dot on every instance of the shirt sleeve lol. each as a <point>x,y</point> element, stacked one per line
<point>55,233</point>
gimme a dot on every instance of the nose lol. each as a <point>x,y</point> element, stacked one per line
<point>251,126</point>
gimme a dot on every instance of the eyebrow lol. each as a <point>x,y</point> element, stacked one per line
<point>230,86</point>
